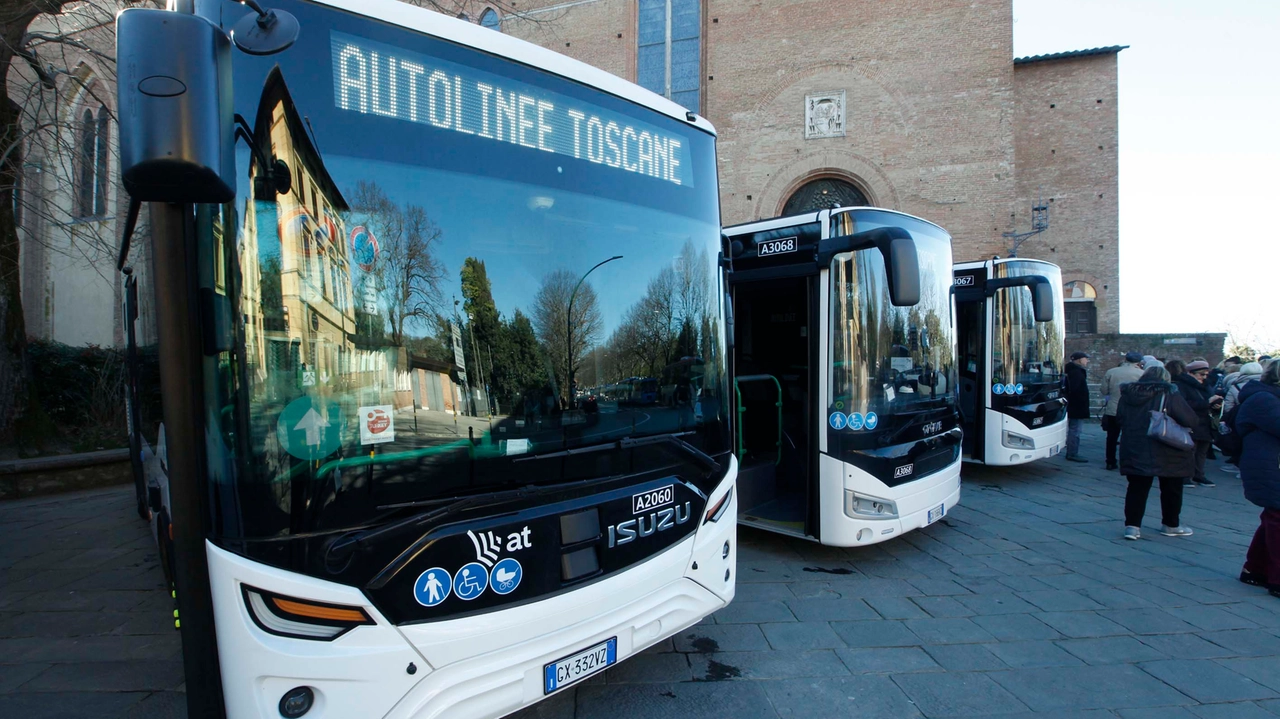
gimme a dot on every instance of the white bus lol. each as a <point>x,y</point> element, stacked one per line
<point>1010,335</point>
<point>323,179</point>
<point>844,368</point>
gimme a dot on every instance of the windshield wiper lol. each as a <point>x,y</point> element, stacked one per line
<point>672,439</point>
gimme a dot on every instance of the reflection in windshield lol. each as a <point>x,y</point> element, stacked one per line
<point>888,359</point>
<point>406,328</point>
<point>1025,351</point>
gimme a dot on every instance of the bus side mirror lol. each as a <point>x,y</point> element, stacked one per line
<point>1042,301</point>
<point>902,267</point>
<point>175,109</point>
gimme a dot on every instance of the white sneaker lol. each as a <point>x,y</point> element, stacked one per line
<point>1175,531</point>
<point>1132,533</point>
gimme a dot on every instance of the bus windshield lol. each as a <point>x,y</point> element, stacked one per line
<point>446,250</point>
<point>888,360</point>
<point>1026,352</point>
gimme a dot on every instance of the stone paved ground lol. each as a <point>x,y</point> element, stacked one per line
<point>1023,602</point>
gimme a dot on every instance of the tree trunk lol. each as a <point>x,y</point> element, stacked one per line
<point>14,374</point>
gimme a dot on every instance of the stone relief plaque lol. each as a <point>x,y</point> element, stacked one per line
<point>824,115</point>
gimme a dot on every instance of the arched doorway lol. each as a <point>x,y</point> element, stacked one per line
<point>823,193</point>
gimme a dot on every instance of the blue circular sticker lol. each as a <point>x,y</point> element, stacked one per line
<point>838,420</point>
<point>506,576</point>
<point>856,421</point>
<point>1008,389</point>
<point>1018,388</point>
<point>433,586</point>
<point>998,388</point>
<point>872,420</point>
<point>470,581</point>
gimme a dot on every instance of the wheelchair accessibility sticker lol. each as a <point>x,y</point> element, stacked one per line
<point>471,581</point>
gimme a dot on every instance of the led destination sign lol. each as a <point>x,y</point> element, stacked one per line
<point>377,79</point>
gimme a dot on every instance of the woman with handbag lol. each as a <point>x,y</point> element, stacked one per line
<point>1155,442</point>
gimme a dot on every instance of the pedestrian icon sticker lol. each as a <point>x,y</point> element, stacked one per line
<point>506,576</point>
<point>433,586</point>
<point>471,581</point>
<point>872,420</point>
<point>998,388</point>
<point>856,421</point>
<point>838,420</point>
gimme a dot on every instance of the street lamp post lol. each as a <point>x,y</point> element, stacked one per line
<point>568,327</point>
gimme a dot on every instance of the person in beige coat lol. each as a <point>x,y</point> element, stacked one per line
<point>1129,371</point>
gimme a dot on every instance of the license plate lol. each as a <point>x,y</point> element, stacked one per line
<point>1053,450</point>
<point>937,513</point>
<point>776,247</point>
<point>580,665</point>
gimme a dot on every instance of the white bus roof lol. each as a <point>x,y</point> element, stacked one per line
<point>807,217</point>
<point>462,32</point>
<point>974,264</point>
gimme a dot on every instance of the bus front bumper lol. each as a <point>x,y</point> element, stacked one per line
<point>1017,443</point>
<point>918,503</point>
<point>479,667</point>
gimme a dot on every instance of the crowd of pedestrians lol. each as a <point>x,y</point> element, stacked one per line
<point>1162,420</point>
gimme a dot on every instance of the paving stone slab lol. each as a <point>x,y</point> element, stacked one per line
<point>688,700</point>
<point>650,668</point>
<point>739,612</point>
<point>1207,681</point>
<point>68,705</point>
<point>829,610</point>
<point>776,664</point>
<point>1245,642</point>
<point>948,631</point>
<point>1067,688</point>
<point>1111,650</point>
<point>1263,670</point>
<point>1017,627</point>
<point>721,638</point>
<point>887,660</point>
<point>960,694</point>
<point>859,696</point>
<point>1081,624</point>
<point>1023,655</point>
<point>801,635</point>
<point>878,633</point>
<point>1235,710</point>
<point>965,657</point>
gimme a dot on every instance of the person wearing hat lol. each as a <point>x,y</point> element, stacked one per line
<point>1128,371</point>
<point>1077,390</point>
<point>1189,379</point>
<point>1232,385</point>
<point>1151,361</point>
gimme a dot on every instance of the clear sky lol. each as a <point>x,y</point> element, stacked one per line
<point>1199,154</point>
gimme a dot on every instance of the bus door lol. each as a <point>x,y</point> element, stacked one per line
<point>972,344</point>
<point>774,284</point>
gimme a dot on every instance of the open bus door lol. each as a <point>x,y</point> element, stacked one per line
<point>774,289</point>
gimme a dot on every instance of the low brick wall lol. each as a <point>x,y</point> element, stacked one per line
<point>64,473</point>
<point>1108,350</point>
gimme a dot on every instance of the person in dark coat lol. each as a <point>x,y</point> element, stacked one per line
<point>1190,379</point>
<point>1077,391</point>
<point>1143,458</point>
<point>1258,422</point>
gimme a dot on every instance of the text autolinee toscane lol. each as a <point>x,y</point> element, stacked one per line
<point>453,97</point>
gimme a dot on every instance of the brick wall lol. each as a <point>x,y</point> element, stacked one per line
<point>1108,350</point>
<point>1065,140</point>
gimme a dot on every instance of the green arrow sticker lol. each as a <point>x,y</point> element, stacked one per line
<point>310,428</point>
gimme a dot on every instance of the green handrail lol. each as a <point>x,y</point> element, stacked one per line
<point>742,410</point>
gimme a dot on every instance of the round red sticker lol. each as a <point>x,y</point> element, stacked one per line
<point>378,422</point>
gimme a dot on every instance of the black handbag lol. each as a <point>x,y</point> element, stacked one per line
<point>1166,430</point>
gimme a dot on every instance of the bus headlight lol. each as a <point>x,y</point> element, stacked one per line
<point>861,506</point>
<point>301,618</point>
<point>1017,441</point>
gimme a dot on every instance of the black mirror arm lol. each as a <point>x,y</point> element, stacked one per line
<point>1028,281</point>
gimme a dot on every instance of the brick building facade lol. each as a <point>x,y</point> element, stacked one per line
<point>925,110</point>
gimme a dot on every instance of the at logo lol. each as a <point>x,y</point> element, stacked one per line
<point>489,545</point>
<point>644,526</point>
<point>903,471</point>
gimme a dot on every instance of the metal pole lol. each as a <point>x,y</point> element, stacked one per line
<point>568,327</point>
<point>182,397</point>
